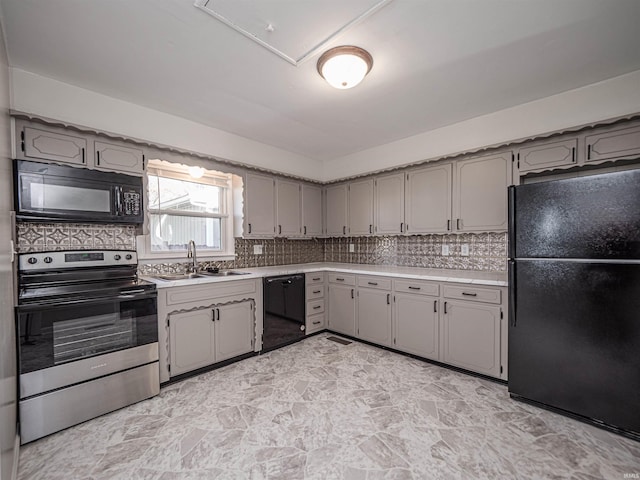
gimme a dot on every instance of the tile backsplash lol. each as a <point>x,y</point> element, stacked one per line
<point>487,251</point>
<point>44,237</point>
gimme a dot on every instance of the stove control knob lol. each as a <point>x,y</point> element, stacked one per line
<point>32,260</point>
<point>48,259</point>
<point>117,257</point>
<point>128,257</point>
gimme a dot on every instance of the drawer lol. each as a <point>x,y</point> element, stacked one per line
<point>315,323</point>
<point>344,279</point>
<point>477,294</point>
<point>315,291</point>
<point>314,278</point>
<point>315,306</point>
<point>208,292</point>
<point>381,283</point>
<point>417,286</point>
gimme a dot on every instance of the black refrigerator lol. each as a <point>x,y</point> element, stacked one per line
<point>574,297</point>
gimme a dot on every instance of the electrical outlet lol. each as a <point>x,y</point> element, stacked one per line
<point>464,249</point>
<point>257,249</point>
<point>352,248</point>
<point>445,250</point>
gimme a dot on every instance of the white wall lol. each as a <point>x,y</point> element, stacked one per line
<point>7,330</point>
<point>611,98</point>
<point>57,100</point>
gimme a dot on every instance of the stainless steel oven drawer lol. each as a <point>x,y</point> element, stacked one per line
<point>54,411</point>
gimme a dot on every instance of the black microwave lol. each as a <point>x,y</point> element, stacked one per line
<point>47,192</point>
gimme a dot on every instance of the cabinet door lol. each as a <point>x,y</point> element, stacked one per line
<point>311,210</point>
<point>342,309</point>
<point>192,341</point>
<point>471,336</point>
<point>416,325</point>
<point>480,193</point>
<point>374,316</point>
<point>618,143</point>
<point>235,330</point>
<point>288,212</point>
<point>547,155</point>
<point>118,158</point>
<point>428,200</point>
<point>389,204</point>
<point>361,207</point>
<point>259,199</point>
<point>39,143</point>
<point>337,210</point>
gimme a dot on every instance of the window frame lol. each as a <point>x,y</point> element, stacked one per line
<point>164,169</point>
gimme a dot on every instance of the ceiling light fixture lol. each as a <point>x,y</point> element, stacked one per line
<point>344,67</point>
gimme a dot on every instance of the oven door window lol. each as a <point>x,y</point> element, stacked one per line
<point>53,335</point>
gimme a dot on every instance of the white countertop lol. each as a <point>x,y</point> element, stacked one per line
<point>440,275</point>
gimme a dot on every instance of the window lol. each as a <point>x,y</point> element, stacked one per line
<point>182,208</point>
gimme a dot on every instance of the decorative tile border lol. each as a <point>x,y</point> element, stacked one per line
<point>44,237</point>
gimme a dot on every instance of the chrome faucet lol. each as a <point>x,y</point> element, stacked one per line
<point>191,253</point>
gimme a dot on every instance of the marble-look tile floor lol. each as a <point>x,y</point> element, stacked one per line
<point>321,410</point>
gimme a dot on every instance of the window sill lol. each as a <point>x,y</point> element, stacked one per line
<point>148,257</point>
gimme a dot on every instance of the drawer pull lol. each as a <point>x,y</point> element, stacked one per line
<point>414,288</point>
<point>317,307</point>
<point>317,322</point>
<point>338,279</point>
<point>466,294</point>
<point>372,283</point>
<point>317,279</point>
<point>317,291</point>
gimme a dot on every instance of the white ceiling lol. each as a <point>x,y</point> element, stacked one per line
<point>436,62</point>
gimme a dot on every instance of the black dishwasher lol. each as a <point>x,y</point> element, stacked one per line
<point>284,310</point>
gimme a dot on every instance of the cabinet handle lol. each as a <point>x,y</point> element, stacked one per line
<point>83,159</point>
<point>317,307</point>
<point>305,229</point>
<point>466,294</point>
<point>218,313</point>
<point>414,288</point>
<point>317,291</point>
<point>316,279</point>
<point>372,283</point>
<point>435,306</point>
<point>213,314</point>
<point>317,322</point>
<point>448,224</point>
<point>589,152</point>
<point>573,154</point>
<point>388,299</point>
<point>340,279</point>
<point>445,308</point>
<point>98,157</point>
<point>457,224</point>
<point>344,230</point>
<point>279,229</point>
<point>401,226</point>
<point>352,292</point>
<point>406,227</point>
<point>249,228</point>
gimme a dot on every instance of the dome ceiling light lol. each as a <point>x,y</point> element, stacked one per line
<point>344,67</point>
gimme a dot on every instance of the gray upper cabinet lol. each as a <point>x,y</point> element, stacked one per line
<point>615,143</point>
<point>389,204</point>
<point>120,158</point>
<point>480,193</point>
<point>288,214</point>
<point>336,204</point>
<point>259,205</point>
<point>45,144</point>
<point>547,155</point>
<point>361,207</point>
<point>311,210</point>
<point>428,200</point>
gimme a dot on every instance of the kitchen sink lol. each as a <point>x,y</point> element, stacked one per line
<point>187,276</point>
<point>224,273</point>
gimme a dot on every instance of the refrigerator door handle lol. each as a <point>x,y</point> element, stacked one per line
<point>512,292</point>
<point>512,221</point>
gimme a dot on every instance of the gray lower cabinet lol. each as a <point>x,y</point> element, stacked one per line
<point>234,333</point>
<point>49,144</point>
<point>120,158</point>
<point>342,309</point>
<point>374,316</point>
<point>315,288</point>
<point>416,325</point>
<point>471,336</point>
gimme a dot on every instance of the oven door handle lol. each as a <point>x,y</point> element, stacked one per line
<point>53,304</point>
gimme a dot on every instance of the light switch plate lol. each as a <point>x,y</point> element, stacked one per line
<point>352,248</point>
<point>445,250</point>
<point>257,249</point>
<point>464,249</point>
